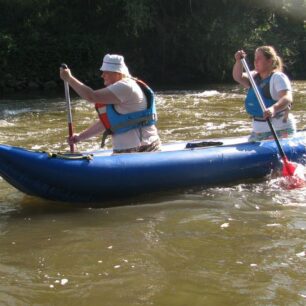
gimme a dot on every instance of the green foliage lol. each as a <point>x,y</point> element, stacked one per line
<point>167,42</point>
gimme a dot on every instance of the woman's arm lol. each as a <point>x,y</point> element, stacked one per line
<point>238,74</point>
<point>93,130</point>
<point>94,96</point>
<point>284,100</point>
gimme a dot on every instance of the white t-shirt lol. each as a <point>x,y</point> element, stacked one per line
<point>132,99</point>
<point>279,81</point>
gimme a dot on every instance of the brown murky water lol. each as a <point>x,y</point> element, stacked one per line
<point>234,245</point>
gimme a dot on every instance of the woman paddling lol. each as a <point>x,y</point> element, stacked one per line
<point>275,89</point>
<point>126,108</point>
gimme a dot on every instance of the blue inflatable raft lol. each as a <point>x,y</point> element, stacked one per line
<point>99,176</point>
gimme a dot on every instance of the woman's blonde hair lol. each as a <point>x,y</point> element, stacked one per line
<point>270,53</point>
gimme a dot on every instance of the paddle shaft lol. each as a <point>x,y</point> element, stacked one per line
<point>263,107</point>
<point>69,114</point>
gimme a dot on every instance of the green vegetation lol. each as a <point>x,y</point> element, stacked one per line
<point>164,42</point>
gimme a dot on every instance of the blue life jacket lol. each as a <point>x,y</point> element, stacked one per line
<point>121,123</point>
<point>251,102</point>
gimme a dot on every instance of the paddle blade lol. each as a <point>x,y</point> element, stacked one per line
<point>288,167</point>
<point>293,175</point>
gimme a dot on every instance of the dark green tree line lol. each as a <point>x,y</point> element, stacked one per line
<point>165,42</point>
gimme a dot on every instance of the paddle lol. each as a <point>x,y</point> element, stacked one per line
<point>69,115</point>
<point>289,168</point>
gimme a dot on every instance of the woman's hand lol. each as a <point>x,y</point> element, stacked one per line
<point>73,139</point>
<point>240,54</point>
<point>269,112</point>
<point>238,74</point>
<point>65,74</point>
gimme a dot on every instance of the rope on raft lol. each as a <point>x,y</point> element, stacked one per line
<point>68,156</point>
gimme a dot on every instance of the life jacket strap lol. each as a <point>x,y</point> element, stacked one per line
<point>142,121</point>
<point>100,108</point>
<point>277,116</point>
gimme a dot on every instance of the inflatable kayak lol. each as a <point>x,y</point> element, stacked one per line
<point>99,176</point>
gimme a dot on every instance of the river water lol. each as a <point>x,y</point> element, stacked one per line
<point>242,244</point>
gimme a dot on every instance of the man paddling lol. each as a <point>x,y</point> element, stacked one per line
<point>126,108</point>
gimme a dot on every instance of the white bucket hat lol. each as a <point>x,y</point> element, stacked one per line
<point>114,63</point>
